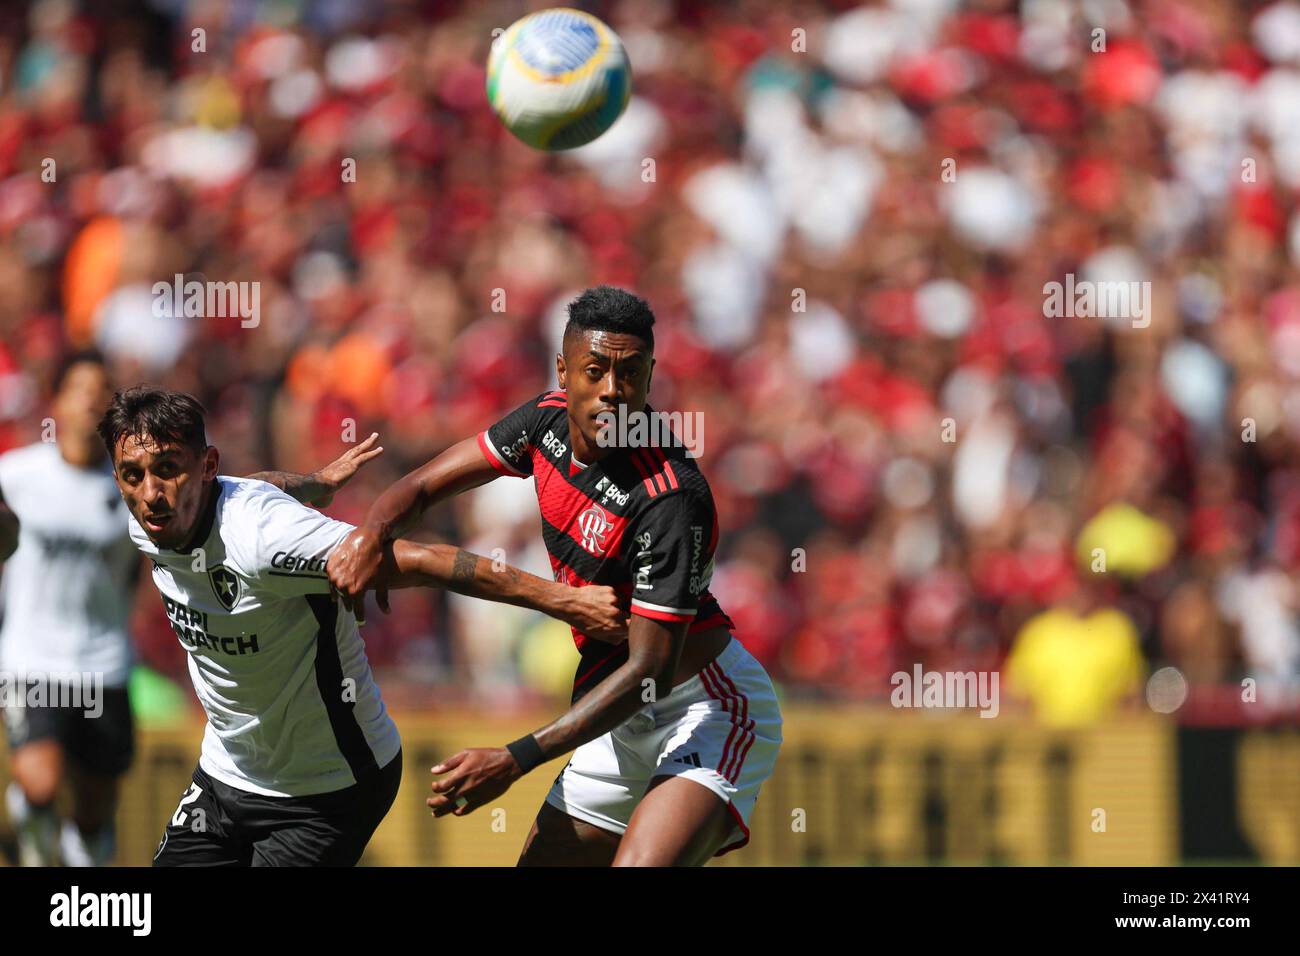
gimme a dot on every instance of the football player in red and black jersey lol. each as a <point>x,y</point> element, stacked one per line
<point>674,731</point>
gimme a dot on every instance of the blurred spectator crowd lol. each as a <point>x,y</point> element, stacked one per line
<point>844,217</point>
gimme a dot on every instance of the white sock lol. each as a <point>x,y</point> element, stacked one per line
<point>80,850</point>
<point>37,828</point>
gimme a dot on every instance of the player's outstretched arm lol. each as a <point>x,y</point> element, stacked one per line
<point>8,531</point>
<point>477,776</point>
<point>354,565</point>
<point>593,610</point>
<point>319,487</point>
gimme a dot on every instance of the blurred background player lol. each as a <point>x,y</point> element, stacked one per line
<point>67,593</point>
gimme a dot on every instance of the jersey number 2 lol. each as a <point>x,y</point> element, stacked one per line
<point>188,797</point>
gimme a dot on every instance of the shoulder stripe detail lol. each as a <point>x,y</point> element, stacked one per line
<point>645,475</point>
<point>552,403</point>
<point>656,471</point>
<point>494,457</point>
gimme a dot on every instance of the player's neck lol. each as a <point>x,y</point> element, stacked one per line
<point>584,454</point>
<point>203,526</point>
<point>79,452</point>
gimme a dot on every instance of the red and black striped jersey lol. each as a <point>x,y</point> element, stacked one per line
<point>641,520</point>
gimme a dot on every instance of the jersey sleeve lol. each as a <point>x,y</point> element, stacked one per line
<point>293,544</point>
<point>508,445</point>
<point>671,558</point>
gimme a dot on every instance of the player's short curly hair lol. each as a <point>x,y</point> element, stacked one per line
<point>156,414</point>
<point>607,309</point>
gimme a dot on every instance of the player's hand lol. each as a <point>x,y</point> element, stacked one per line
<point>473,777</point>
<point>338,472</point>
<point>595,610</point>
<point>353,568</point>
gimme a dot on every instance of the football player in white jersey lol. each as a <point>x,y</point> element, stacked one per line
<point>64,651</point>
<point>300,760</point>
<point>70,570</point>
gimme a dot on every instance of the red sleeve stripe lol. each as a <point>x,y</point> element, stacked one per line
<point>551,403</point>
<point>652,469</point>
<point>657,464</point>
<point>495,459</point>
<point>660,613</point>
<point>668,470</point>
<point>645,476</point>
<point>558,393</point>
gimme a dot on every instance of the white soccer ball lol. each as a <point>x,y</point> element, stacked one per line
<point>558,78</point>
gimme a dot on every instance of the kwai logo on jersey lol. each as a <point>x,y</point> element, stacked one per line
<point>594,525</point>
<point>225,586</point>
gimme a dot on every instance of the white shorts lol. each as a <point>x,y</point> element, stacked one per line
<point>721,728</point>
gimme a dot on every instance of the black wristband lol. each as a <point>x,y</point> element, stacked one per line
<point>527,752</point>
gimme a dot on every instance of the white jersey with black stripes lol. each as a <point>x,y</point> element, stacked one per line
<point>278,665</point>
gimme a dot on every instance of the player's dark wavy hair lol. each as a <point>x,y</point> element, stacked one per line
<point>607,309</point>
<point>156,415</point>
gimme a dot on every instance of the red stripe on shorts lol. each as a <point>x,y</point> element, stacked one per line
<point>746,727</point>
<point>706,678</point>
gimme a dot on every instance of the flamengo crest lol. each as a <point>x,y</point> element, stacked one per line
<point>594,525</point>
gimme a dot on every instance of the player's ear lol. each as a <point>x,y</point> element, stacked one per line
<point>211,462</point>
<point>559,370</point>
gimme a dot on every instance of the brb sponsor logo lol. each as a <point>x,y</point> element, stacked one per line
<point>594,524</point>
<point>552,444</point>
<point>611,493</point>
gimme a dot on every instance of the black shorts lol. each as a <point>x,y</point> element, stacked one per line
<point>217,825</point>
<point>101,740</point>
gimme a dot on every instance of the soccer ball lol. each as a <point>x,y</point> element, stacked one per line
<point>558,78</point>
